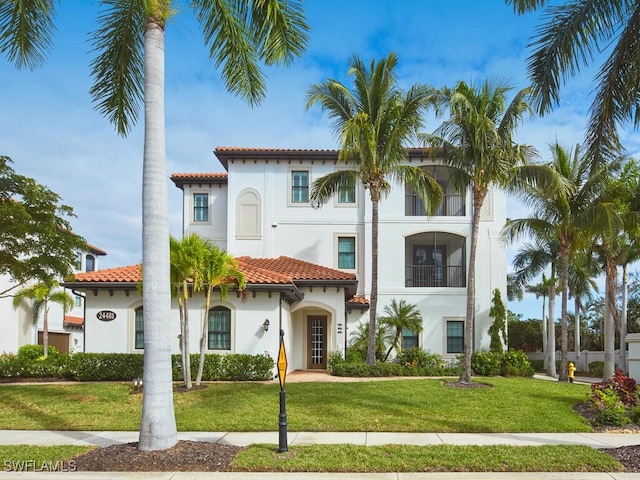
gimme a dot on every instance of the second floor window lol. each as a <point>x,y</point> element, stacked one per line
<point>90,263</point>
<point>347,191</point>
<point>200,207</point>
<point>347,252</point>
<point>300,186</point>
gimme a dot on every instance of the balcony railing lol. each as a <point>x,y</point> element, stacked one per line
<point>435,276</point>
<point>451,206</point>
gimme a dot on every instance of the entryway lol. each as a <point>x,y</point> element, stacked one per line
<point>317,342</point>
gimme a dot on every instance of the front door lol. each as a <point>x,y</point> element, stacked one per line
<point>317,342</point>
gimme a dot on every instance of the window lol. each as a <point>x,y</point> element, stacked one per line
<point>219,328</point>
<point>78,301</point>
<point>347,252</point>
<point>409,339</point>
<point>91,263</point>
<point>455,336</point>
<point>347,191</point>
<point>139,330</point>
<point>300,186</point>
<point>200,207</point>
<point>79,261</point>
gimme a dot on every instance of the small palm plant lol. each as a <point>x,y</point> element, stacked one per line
<point>42,294</point>
<point>400,315</point>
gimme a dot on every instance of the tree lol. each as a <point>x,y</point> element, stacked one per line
<point>375,122</point>
<point>359,339</point>
<point>564,214</point>
<point>498,329</point>
<point>220,270</point>
<point>187,276</point>
<point>572,33</point>
<point>129,70</point>
<point>36,241</point>
<point>478,144</point>
<point>400,315</point>
<point>42,294</point>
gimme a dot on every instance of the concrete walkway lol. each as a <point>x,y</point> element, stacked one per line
<point>596,440</point>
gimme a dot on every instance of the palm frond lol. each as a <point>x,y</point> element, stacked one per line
<point>118,68</point>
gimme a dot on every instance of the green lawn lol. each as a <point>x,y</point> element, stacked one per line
<point>511,405</point>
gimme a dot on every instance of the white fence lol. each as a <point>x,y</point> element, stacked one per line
<point>583,360</point>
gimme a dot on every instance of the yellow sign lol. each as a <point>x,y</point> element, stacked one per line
<point>282,365</point>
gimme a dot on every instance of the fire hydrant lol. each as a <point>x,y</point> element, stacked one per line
<point>572,371</point>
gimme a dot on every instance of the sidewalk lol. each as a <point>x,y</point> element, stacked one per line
<point>596,440</point>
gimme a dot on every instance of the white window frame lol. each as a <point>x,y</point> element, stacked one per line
<point>336,255</point>
<point>337,203</point>
<point>290,185</point>
<point>193,208</point>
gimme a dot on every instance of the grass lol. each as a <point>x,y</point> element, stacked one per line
<point>390,406</point>
<point>438,458</point>
<point>352,458</point>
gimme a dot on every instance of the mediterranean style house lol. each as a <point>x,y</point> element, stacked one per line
<point>66,329</point>
<point>308,268</point>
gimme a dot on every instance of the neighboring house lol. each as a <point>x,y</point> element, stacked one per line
<point>66,331</point>
<point>308,269</point>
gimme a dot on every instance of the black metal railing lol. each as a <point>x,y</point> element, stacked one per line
<point>451,206</point>
<point>435,276</point>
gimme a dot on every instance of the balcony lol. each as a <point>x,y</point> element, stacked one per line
<point>435,276</point>
<point>435,259</point>
<point>451,206</point>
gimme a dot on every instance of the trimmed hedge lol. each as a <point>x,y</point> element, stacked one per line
<point>512,363</point>
<point>97,367</point>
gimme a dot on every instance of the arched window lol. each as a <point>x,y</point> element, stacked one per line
<point>90,263</point>
<point>219,329</point>
<point>139,329</point>
<point>248,218</point>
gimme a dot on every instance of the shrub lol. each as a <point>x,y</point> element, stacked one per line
<point>516,364</point>
<point>98,367</point>
<point>33,352</point>
<point>234,366</point>
<point>616,400</point>
<point>486,363</point>
<point>596,369</point>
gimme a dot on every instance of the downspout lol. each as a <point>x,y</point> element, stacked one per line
<point>84,317</point>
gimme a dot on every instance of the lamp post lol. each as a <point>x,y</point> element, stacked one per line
<point>282,374</point>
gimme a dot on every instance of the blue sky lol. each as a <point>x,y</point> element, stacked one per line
<point>49,128</point>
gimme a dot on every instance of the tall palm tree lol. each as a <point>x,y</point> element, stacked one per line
<point>128,71</point>
<point>571,35</point>
<point>375,121</point>
<point>478,144</point>
<point>532,259</point>
<point>42,294</point>
<point>564,214</point>
<point>220,270</point>
<point>582,285</point>
<point>400,315</point>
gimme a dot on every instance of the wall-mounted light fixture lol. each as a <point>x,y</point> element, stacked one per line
<point>265,325</point>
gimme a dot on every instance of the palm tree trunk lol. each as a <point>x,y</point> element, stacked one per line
<point>564,321</point>
<point>158,424</point>
<point>203,338</point>
<point>373,301</point>
<point>186,354</point>
<point>622,363</point>
<point>465,376</point>
<point>45,331</point>
<point>577,307</point>
<point>551,347</point>
<point>609,320</point>
<point>545,337</point>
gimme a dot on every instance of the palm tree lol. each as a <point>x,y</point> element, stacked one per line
<point>42,294</point>
<point>375,122</point>
<point>187,274</point>
<point>400,315</point>
<point>582,284</point>
<point>359,339</point>
<point>564,214</point>
<point>129,70</point>
<point>220,270</point>
<point>572,33</point>
<point>532,259</point>
<point>478,145</point>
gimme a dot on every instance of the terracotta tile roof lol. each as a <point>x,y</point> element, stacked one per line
<point>96,250</point>
<point>296,269</point>
<point>180,179</point>
<point>73,321</point>
<point>126,274</point>
<point>358,300</point>
<point>190,176</point>
<point>281,270</point>
<point>251,149</point>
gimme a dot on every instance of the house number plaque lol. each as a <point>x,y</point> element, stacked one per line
<point>106,315</point>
